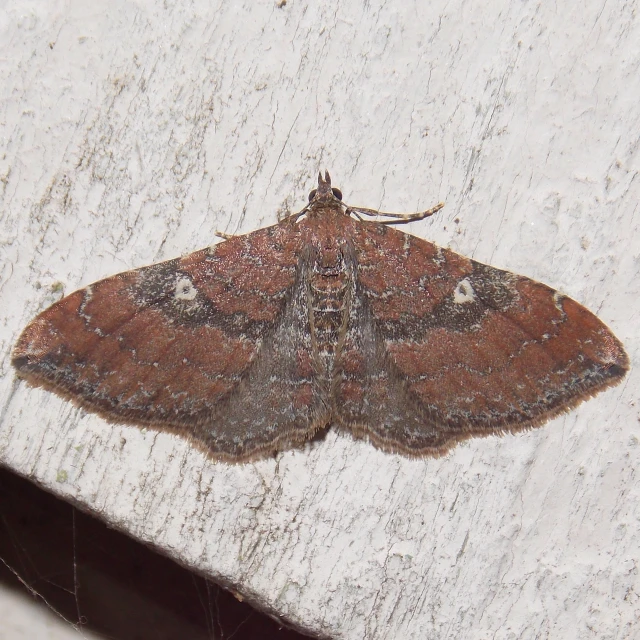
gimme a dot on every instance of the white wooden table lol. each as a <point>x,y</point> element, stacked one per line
<point>130,133</point>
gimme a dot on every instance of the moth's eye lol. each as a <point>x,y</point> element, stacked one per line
<point>337,193</point>
<point>312,195</point>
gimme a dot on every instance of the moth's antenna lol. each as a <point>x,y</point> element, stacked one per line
<point>398,218</point>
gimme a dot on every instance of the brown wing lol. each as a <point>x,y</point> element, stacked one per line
<point>201,345</point>
<point>454,348</point>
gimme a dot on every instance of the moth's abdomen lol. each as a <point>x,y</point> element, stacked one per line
<point>329,292</point>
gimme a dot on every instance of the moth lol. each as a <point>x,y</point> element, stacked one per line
<point>327,318</point>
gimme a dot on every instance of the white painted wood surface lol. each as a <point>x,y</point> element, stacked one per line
<point>132,131</point>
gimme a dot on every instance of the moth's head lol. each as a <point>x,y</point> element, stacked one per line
<point>324,192</point>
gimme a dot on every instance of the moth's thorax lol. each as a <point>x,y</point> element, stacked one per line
<point>326,212</point>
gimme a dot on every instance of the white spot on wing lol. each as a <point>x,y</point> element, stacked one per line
<point>464,292</point>
<point>185,289</point>
<point>558,299</point>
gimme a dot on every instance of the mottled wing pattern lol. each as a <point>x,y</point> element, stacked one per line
<point>370,397</point>
<point>454,348</point>
<point>200,345</point>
